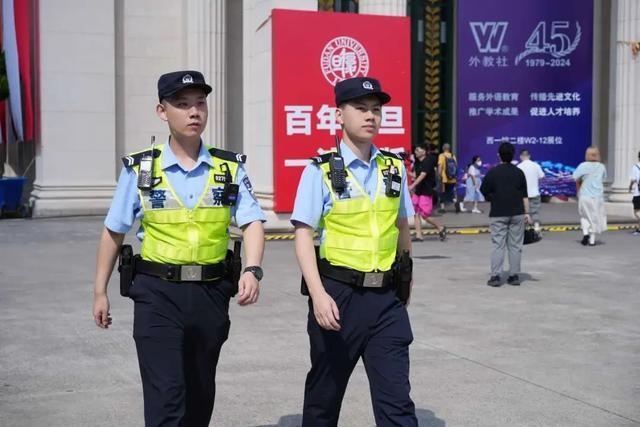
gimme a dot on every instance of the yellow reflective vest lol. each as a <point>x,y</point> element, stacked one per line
<point>361,234</point>
<point>174,234</point>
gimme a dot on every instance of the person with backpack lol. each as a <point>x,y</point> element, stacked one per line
<point>448,172</point>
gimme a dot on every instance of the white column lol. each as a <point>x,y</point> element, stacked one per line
<point>383,7</point>
<point>258,97</point>
<point>206,33</point>
<point>627,99</point>
<point>75,158</point>
<point>150,41</point>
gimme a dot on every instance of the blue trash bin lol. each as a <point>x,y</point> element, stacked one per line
<point>11,193</point>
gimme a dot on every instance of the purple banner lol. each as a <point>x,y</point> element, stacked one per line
<point>525,77</point>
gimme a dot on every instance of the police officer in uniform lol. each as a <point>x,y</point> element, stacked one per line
<point>184,193</point>
<point>353,309</point>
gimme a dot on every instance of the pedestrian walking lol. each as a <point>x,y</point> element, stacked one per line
<point>448,172</point>
<point>423,190</point>
<point>359,202</point>
<point>589,177</point>
<point>184,193</point>
<point>472,185</point>
<point>533,173</point>
<point>505,186</point>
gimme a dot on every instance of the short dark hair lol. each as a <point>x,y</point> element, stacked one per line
<point>524,152</point>
<point>506,151</point>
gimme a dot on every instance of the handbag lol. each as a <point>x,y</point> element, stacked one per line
<point>531,235</point>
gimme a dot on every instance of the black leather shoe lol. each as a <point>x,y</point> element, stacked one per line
<point>585,240</point>
<point>494,281</point>
<point>513,280</point>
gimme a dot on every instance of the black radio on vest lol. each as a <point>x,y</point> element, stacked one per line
<point>393,181</point>
<point>337,171</point>
<point>145,174</point>
<point>230,192</point>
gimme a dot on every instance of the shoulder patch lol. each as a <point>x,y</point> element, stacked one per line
<point>133,159</point>
<point>322,158</point>
<point>228,155</point>
<point>399,156</point>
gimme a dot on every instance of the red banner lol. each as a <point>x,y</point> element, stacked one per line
<point>311,52</point>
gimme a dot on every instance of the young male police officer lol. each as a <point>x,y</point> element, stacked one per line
<point>181,288</point>
<point>353,309</point>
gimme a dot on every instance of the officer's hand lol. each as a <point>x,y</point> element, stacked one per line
<point>326,312</point>
<point>248,289</point>
<point>101,311</point>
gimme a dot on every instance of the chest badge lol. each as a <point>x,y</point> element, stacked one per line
<point>157,198</point>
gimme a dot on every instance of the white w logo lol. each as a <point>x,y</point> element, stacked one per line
<point>489,35</point>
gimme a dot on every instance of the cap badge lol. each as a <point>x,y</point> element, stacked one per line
<point>187,79</point>
<point>367,85</point>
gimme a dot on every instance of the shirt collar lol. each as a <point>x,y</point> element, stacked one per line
<point>349,156</point>
<point>169,159</point>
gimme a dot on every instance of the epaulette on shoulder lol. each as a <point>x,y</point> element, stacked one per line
<point>399,156</point>
<point>228,155</point>
<point>322,158</point>
<point>133,159</point>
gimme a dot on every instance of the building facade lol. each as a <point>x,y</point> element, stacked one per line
<point>98,63</point>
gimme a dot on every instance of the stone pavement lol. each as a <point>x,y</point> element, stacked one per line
<point>563,349</point>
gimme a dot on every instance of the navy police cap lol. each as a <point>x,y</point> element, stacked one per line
<point>171,83</point>
<point>357,87</point>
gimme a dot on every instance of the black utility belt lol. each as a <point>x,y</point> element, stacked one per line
<point>375,279</point>
<point>181,273</point>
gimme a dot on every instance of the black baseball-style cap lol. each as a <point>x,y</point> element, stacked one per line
<point>171,83</point>
<point>357,87</point>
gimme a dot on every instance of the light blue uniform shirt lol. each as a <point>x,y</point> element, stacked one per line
<point>188,186</point>
<point>313,199</point>
<point>592,175</point>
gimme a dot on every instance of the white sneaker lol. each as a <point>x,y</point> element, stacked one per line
<point>476,211</point>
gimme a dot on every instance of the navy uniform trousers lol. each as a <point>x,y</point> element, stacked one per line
<point>374,326</point>
<point>179,329</point>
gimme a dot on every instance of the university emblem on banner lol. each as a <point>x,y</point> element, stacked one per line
<point>343,58</point>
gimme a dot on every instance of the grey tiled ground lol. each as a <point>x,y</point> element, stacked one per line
<point>561,350</point>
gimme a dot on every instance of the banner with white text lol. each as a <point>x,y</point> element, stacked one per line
<point>525,77</point>
<point>312,51</point>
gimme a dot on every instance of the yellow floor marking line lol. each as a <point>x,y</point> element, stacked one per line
<point>466,231</point>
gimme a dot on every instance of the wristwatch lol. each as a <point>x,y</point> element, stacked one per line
<point>255,270</point>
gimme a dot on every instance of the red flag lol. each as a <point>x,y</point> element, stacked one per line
<point>22,16</point>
